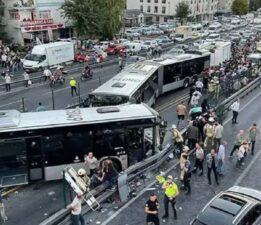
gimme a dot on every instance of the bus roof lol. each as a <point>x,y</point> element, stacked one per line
<point>12,120</point>
<point>127,81</point>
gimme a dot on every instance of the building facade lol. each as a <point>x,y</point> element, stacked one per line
<point>164,10</point>
<point>224,6</point>
<point>30,19</point>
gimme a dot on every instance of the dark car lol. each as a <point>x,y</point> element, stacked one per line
<point>236,206</point>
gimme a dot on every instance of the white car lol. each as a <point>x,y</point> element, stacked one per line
<point>103,45</point>
<point>132,34</point>
<point>149,44</point>
<point>213,37</point>
<point>203,33</point>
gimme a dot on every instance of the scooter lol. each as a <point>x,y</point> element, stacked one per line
<point>86,76</point>
<point>54,80</point>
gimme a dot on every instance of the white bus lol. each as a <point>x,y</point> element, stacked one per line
<point>145,81</point>
<point>39,145</point>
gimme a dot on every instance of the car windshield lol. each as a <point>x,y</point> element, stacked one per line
<point>212,28</point>
<point>101,100</point>
<point>212,36</point>
<point>179,35</point>
<point>147,43</point>
<point>34,57</point>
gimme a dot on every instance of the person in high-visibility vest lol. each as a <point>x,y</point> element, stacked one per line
<point>170,193</point>
<point>73,84</point>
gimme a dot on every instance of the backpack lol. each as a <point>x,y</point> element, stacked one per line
<point>210,131</point>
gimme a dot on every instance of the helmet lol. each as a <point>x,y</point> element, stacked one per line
<point>211,119</point>
<point>185,148</point>
<point>170,177</point>
<point>81,172</point>
<point>174,126</point>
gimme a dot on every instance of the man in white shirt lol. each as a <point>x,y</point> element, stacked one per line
<point>47,73</point>
<point>221,158</point>
<point>235,109</point>
<point>91,162</point>
<point>199,85</point>
<point>76,210</point>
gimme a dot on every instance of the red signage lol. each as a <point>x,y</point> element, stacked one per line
<point>36,22</point>
<point>27,29</point>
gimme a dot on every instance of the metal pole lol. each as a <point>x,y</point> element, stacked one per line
<point>23,106</point>
<point>79,93</point>
<point>53,99</point>
<point>99,80</point>
<point>64,189</point>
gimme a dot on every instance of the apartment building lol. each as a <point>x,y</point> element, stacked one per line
<point>164,10</point>
<point>28,19</point>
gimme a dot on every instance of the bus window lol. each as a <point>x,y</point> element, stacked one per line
<point>171,72</point>
<point>188,69</point>
<point>135,146</point>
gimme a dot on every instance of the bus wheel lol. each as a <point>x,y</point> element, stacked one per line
<point>186,83</point>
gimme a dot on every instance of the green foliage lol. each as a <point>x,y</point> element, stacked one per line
<point>182,10</point>
<point>240,7</point>
<point>94,18</point>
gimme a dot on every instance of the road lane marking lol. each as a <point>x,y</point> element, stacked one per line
<point>11,103</point>
<point>108,220</point>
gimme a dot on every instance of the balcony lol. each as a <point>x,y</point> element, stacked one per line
<point>22,7</point>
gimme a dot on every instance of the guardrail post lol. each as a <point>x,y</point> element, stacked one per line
<point>23,105</point>
<point>64,190</point>
<point>79,92</point>
<point>100,80</point>
<point>53,99</point>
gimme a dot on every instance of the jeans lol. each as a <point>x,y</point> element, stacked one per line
<point>186,181</point>
<point>219,166</point>
<point>234,119</point>
<point>166,205</point>
<point>215,174</point>
<point>78,220</point>
<point>234,149</point>
<point>198,164</point>
<point>253,147</point>
<point>8,87</point>
<point>73,90</point>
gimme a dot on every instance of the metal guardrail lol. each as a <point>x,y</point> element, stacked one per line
<point>63,216</point>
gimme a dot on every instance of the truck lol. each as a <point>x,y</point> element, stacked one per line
<point>48,55</point>
<point>220,51</point>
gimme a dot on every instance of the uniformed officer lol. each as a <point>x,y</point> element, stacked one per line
<point>152,210</point>
<point>73,84</point>
<point>170,193</point>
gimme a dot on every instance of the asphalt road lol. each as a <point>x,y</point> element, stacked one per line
<point>49,197</point>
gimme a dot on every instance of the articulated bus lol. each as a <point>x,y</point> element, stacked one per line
<point>39,145</point>
<point>145,81</point>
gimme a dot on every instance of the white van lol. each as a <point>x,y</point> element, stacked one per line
<point>133,47</point>
<point>48,55</point>
<point>255,58</point>
<point>214,28</point>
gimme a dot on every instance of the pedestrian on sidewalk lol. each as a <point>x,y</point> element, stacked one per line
<point>218,134</point>
<point>252,133</point>
<point>199,160</point>
<point>76,210</point>
<point>73,84</point>
<point>181,112</point>
<point>3,217</point>
<point>182,163</point>
<point>177,139</point>
<point>221,158</point>
<point>241,154</point>
<point>187,175</point>
<point>120,63</point>
<point>212,165</point>
<point>192,135</point>
<point>152,210</point>
<point>209,131</point>
<point>47,74</point>
<point>235,109</point>
<point>7,82</point>
<point>26,79</point>
<point>170,193</point>
<point>238,141</point>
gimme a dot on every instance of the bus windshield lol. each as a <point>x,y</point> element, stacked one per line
<point>102,100</point>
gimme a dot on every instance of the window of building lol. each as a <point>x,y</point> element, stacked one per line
<point>148,1</point>
<point>148,9</point>
<point>156,9</point>
<point>191,1</point>
<point>45,14</point>
<point>163,9</point>
<point>14,15</point>
<point>141,0</point>
<point>156,1</point>
<point>163,1</point>
<point>141,8</point>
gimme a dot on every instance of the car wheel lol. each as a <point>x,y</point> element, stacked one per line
<point>186,83</point>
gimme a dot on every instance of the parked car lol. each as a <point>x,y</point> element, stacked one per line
<point>103,45</point>
<point>164,42</point>
<point>236,206</point>
<point>132,34</point>
<point>213,37</point>
<point>149,44</point>
<point>164,38</point>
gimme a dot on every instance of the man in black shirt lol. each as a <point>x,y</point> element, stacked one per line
<point>151,209</point>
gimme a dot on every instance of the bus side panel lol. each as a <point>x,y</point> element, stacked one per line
<point>160,80</point>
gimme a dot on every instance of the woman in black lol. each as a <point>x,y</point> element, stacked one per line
<point>152,210</point>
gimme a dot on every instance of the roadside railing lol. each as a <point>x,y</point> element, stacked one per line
<point>152,163</point>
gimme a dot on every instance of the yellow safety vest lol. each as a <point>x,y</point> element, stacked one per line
<point>72,83</point>
<point>171,190</point>
<point>211,87</point>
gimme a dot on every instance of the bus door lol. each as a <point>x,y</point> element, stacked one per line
<point>35,158</point>
<point>13,162</point>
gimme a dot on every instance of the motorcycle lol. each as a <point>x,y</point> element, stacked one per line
<point>54,80</point>
<point>86,76</point>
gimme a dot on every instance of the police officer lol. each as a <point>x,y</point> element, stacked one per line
<point>170,193</point>
<point>152,210</point>
<point>73,84</point>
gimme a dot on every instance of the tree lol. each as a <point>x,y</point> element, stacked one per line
<point>240,7</point>
<point>182,11</point>
<point>85,15</point>
<point>94,18</point>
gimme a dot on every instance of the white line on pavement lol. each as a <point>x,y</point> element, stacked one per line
<point>107,221</point>
<point>10,103</point>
